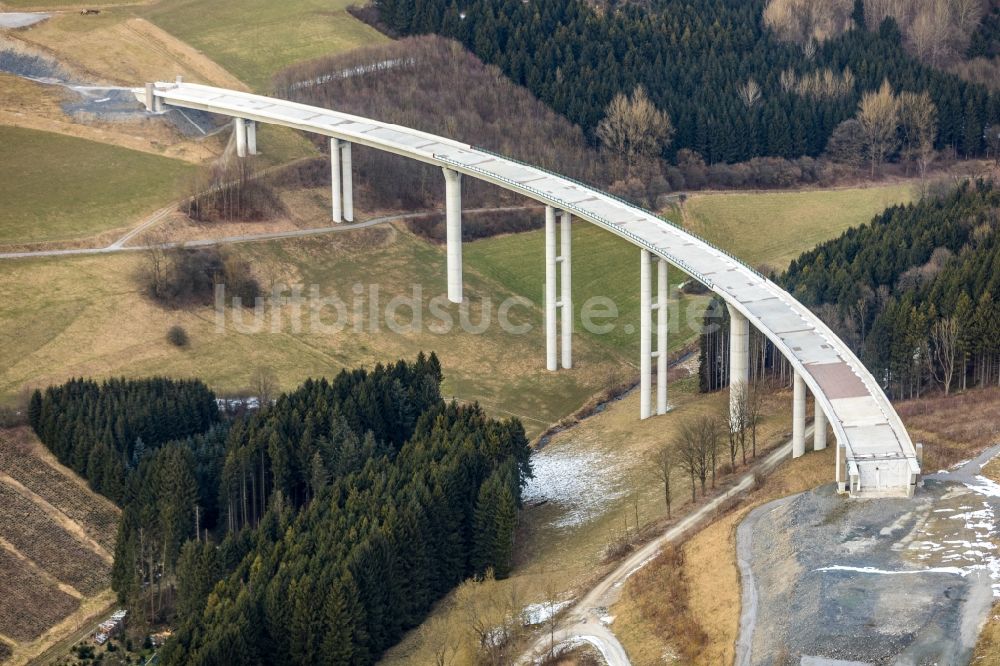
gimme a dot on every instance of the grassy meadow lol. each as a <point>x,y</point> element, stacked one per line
<point>57,187</point>
<point>775,227</point>
<point>91,320</point>
<point>253,39</point>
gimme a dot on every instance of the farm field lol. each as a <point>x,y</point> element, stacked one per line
<point>101,187</point>
<point>256,38</point>
<point>775,227</point>
<point>56,540</point>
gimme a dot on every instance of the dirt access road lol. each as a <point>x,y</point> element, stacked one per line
<point>582,622</point>
<point>151,221</point>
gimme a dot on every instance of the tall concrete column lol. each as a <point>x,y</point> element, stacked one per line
<point>347,180</point>
<point>566,264</point>
<point>338,206</point>
<point>645,326</point>
<point>798,416</point>
<point>240,129</point>
<point>739,357</point>
<point>661,336</point>
<point>453,228</point>
<point>251,129</point>
<point>819,428</point>
<point>551,356</point>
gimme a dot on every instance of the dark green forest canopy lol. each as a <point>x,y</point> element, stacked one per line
<point>884,285</point>
<point>316,530</point>
<point>102,430</point>
<point>692,57</point>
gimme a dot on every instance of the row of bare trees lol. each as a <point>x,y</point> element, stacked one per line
<point>702,439</point>
<point>935,31</point>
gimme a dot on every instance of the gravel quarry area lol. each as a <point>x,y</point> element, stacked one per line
<point>93,102</point>
<point>833,581</point>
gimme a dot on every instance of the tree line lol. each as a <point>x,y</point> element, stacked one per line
<point>103,430</point>
<point>697,62</point>
<point>315,530</point>
<point>912,292</point>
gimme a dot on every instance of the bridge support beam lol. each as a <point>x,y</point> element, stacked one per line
<point>347,180</point>
<point>662,356</point>
<point>819,428</point>
<point>798,416</point>
<point>240,129</point>
<point>558,289</point>
<point>453,227</point>
<point>337,204</point>
<point>566,278</point>
<point>551,306</point>
<point>739,357</point>
<point>646,307</point>
<point>251,129</point>
<point>341,181</point>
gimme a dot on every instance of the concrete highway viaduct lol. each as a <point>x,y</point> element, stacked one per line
<point>875,456</point>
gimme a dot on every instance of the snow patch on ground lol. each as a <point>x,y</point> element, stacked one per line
<point>958,571</point>
<point>540,613</point>
<point>984,486</point>
<point>581,483</point>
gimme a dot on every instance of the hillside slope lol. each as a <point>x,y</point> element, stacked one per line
<point>56,544</point>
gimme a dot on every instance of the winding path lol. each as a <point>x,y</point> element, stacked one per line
<point>582,622</point>
<point>151,221</point>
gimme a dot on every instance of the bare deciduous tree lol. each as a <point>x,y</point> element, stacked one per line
<point>918,121</point>
<point>663,461</point>
<point>808,21</point>
<point>264,385</point>
<point>749,93</point>
<point>993,141</point>
<point>878,113</point>
<point>633,127</point>
<point>697,445</point>
<point>945,336</point>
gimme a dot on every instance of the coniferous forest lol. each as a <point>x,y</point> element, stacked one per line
<point>693,59</point>
<point>316,530</point>
<point>914,292</point>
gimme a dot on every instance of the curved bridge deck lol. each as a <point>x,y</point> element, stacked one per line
<point>877,449</point>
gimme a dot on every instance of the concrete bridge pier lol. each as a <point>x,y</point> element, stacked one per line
<point>566,279</point>
<point>819,428</point>
<point>336,203</point>
<point>251,130</point>
<point>240,129</point>
<point>453,228</point>
<point>551,304</point>
<point>341,181</point>
<point>646,308</point>
<point>739,360</point>
<point>798,416</point>
<point>347,180</point>
<point>662,356</point>
<point>558,289</point>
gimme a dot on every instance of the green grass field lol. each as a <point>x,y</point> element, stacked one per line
<point>253,39</point>
<point>55,187</point>
<point>775,227</point>
<point>83,316</point>
<point>604,266</point>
